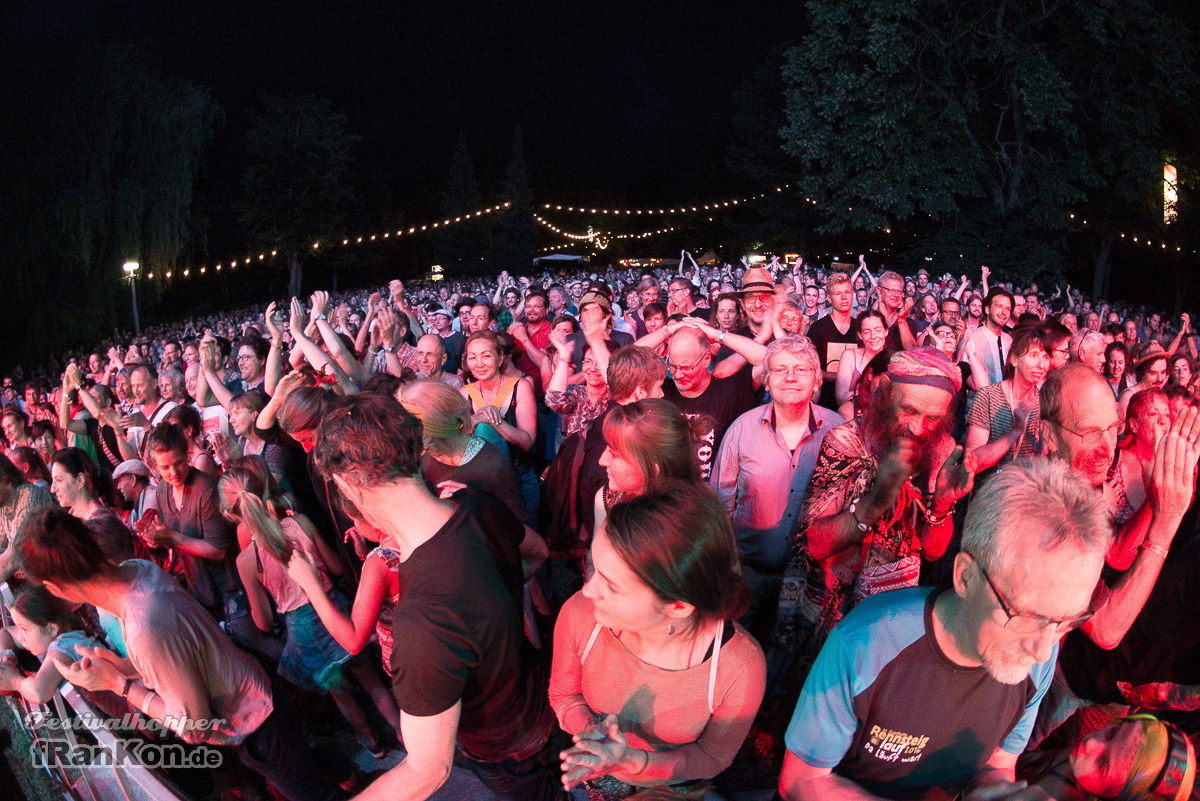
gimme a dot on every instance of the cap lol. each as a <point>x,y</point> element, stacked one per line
<point>135,466</point>
<point>444,312</point>
<point>756,279</point>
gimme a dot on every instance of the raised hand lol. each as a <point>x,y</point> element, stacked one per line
<point>298,319</point>
<point>1172,475</point>
<point>320,304</point>
<point>272,321</point>
<point>954,480</point>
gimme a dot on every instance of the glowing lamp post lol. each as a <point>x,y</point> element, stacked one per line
<point>131,268</point>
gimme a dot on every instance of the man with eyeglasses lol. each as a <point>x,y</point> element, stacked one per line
<point>711,403</point>
<point>758,300</point>
<point>763,467</point>
<point>895,308</point>
<point>1142,625</point>
<point>926,693</point>
<point>679,299</point>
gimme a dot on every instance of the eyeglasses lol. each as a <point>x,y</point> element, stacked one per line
<point>1095,436</point>
<point>892,290</point>
<point>1027,622</point>
<point>679,368</point>
<point>795,371</point>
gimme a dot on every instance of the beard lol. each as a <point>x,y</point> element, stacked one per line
<point>881,429</point>
<point>1007,664</point>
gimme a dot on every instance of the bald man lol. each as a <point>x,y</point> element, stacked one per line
<point>431,358</point>
<point>710,403</point>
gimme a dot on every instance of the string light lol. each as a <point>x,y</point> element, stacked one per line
<point>688,209</point>
<point>263,256</point>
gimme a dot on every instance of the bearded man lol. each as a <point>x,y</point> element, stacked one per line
<point>881,499</point>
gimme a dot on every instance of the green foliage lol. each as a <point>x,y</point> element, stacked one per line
<point>297,181</point>
<point>100,157</point>
<point>517,237</point>
<point>981,125</point>
<point>461,246</point>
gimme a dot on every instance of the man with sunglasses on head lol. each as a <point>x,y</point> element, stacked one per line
<point>926,693</point>
<point>711,403</point>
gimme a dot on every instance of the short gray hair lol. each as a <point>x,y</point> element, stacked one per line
<point>1082,337</point>
<point>797,346</point>
<point>891,275</point>
<point>1034,504</point>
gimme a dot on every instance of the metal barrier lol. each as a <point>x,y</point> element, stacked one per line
<point>53,730</point>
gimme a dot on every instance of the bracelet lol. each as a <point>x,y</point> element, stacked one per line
<point>934,519</point>
<point>721,337</point>
<point>128,687</point>
<point>860,525</point>
<point>645,763</point>
<point>320,317</point>
<point>146,701</point>
<point>1154,548</point>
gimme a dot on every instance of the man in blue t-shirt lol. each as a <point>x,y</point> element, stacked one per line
<point>920,694</point>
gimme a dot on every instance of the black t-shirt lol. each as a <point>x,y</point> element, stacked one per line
<point>488,471</point>
<point>504,533</point>
<point>712,411</point>
<point>455,343</point>
<point>830,343</point>
<point>458,636</point>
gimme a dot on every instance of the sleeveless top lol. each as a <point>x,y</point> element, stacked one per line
<point>712,671</point>
<point>504,402</point>
<point>287,594</point>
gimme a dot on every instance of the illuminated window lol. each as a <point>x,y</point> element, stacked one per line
<point>1170,193</point>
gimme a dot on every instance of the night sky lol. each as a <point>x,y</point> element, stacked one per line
<point>619,103</point>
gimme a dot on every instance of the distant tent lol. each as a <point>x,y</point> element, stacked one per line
<point>709,258</point>
<point>558,260</point>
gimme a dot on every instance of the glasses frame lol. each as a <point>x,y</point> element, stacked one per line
<point>1090,437</point>
<point>675,369</point>
<point>1040,622</point>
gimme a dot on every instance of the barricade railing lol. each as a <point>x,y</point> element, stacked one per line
<point>84,758</point>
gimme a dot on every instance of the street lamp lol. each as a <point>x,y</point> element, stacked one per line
<point>131,268</point>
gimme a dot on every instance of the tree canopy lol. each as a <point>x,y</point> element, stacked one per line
<point>297,178</point>
<point>978,127</point>
<point>100,156</point>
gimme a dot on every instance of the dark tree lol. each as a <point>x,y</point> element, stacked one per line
<point>980,125</point>
<point>462,245</point>
<point>756,154</point>
<point>517,237</point>
<point>297,181</point>
<point>100,157</point>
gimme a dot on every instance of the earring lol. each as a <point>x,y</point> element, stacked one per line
<point>671,629</point>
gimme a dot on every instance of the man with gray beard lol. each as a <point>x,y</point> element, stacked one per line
<point>922,693</point>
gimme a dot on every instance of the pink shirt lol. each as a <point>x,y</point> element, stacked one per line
<point>661,710</point>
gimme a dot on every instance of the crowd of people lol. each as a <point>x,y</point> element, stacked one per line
<point>691,533</point>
